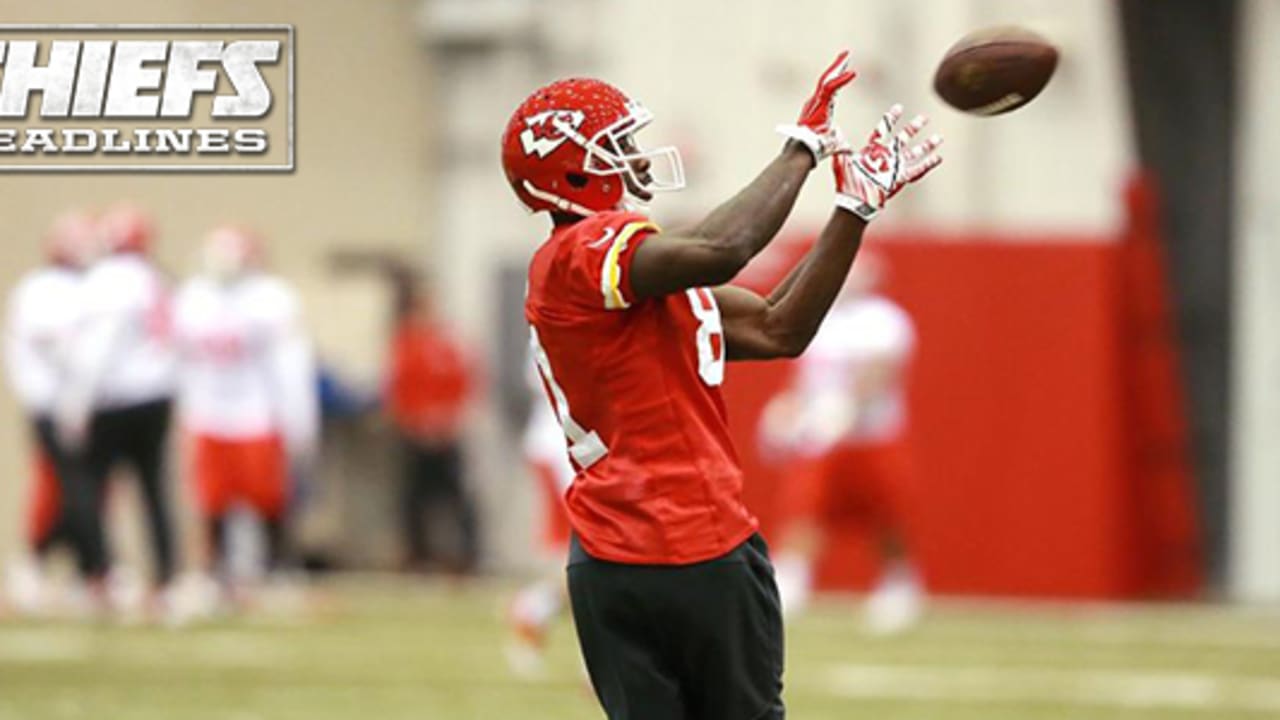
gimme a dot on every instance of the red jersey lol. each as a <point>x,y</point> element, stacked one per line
<point>428,382</point>
<point>635,384</point>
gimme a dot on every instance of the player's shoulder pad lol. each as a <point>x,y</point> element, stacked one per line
<point>117,281</point>
<point>30,279</point>
<point>606,242</point>
<point>191,296</point>
<point>616,219</point>
<point>22,293</point>
<point>274,297</point>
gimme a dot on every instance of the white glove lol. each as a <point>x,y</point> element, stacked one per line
<point>867,178</point>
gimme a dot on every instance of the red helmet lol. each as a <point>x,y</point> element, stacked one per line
<point>569,147</point>
<point>125,228</point>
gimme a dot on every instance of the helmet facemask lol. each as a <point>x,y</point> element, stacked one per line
<point>614,151</point>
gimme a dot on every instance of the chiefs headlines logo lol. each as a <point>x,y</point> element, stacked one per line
<point>173,97</point>
<point>542,134</point>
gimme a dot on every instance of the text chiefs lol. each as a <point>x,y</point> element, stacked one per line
<point>135,80</point>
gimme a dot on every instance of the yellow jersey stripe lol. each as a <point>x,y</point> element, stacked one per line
<point>611,272</point>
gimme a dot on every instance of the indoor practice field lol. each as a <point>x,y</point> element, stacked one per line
<point>396,650</point>
<point>927,349</point>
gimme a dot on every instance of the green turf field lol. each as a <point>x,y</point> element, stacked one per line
<point>385,651</point>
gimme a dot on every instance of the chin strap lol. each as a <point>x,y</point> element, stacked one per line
<point>631,203</point>
<point>559,202</point>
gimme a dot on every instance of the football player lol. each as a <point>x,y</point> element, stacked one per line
<point>42,316</point>
<point>670,584</point>
<point>538,604</point>
<point>246,399</point>
<point>114,405</point>
<point>431,382</point>
<point>844,421</point>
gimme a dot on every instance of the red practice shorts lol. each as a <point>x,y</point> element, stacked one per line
<point>555,518</point>
<point>46,499</point>
<point>252,471</point>
<point>862,484</point>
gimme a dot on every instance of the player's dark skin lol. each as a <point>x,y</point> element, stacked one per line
<point>715,250</point>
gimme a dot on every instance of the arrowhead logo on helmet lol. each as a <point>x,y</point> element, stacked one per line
<point>546,131</point>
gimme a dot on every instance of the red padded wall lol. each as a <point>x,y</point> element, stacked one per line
<point>1020,399</point>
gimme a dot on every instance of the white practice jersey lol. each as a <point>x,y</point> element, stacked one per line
<point>42,315</point>
<point>246,367</point>
<point>850,382</point>
<point>122,352</point>
<point>544,441</point>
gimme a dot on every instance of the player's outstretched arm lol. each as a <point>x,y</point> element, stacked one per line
<point>712,252</point>
<point>782,324</point>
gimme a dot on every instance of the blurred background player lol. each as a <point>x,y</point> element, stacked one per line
<point>42,315</point>
<point>114,406</point>
<point>538,604</point>
<point>429,384</point>
<point>247,400</point>
<point>844,422</point>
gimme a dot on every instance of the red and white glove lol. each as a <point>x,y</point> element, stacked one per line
<point>867,178</point>
<point>814,127</point>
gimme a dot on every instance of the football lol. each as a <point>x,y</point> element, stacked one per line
<point>995,70</point>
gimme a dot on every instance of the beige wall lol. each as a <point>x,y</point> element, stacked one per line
<point>362,86</point>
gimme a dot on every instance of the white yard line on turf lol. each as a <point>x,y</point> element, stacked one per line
<point>1224,626</point>
<point>214,648</point>
<point>1229,639</point>
<point>1073,632</point>
<point>1135,689</point>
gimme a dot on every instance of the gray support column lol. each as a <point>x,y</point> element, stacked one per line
<point>1255,507</point>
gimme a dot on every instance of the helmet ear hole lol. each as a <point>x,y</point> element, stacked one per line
<point>576,180</point>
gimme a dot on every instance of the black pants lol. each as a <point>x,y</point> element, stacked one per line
<point>58,532</point>
<point>136,436</point>
<point>432,485</point>
<point>681,642</point>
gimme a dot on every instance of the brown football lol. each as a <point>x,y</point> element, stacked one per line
<point>993,71</point>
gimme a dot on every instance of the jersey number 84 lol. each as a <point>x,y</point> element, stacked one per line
<point>585,446</point>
